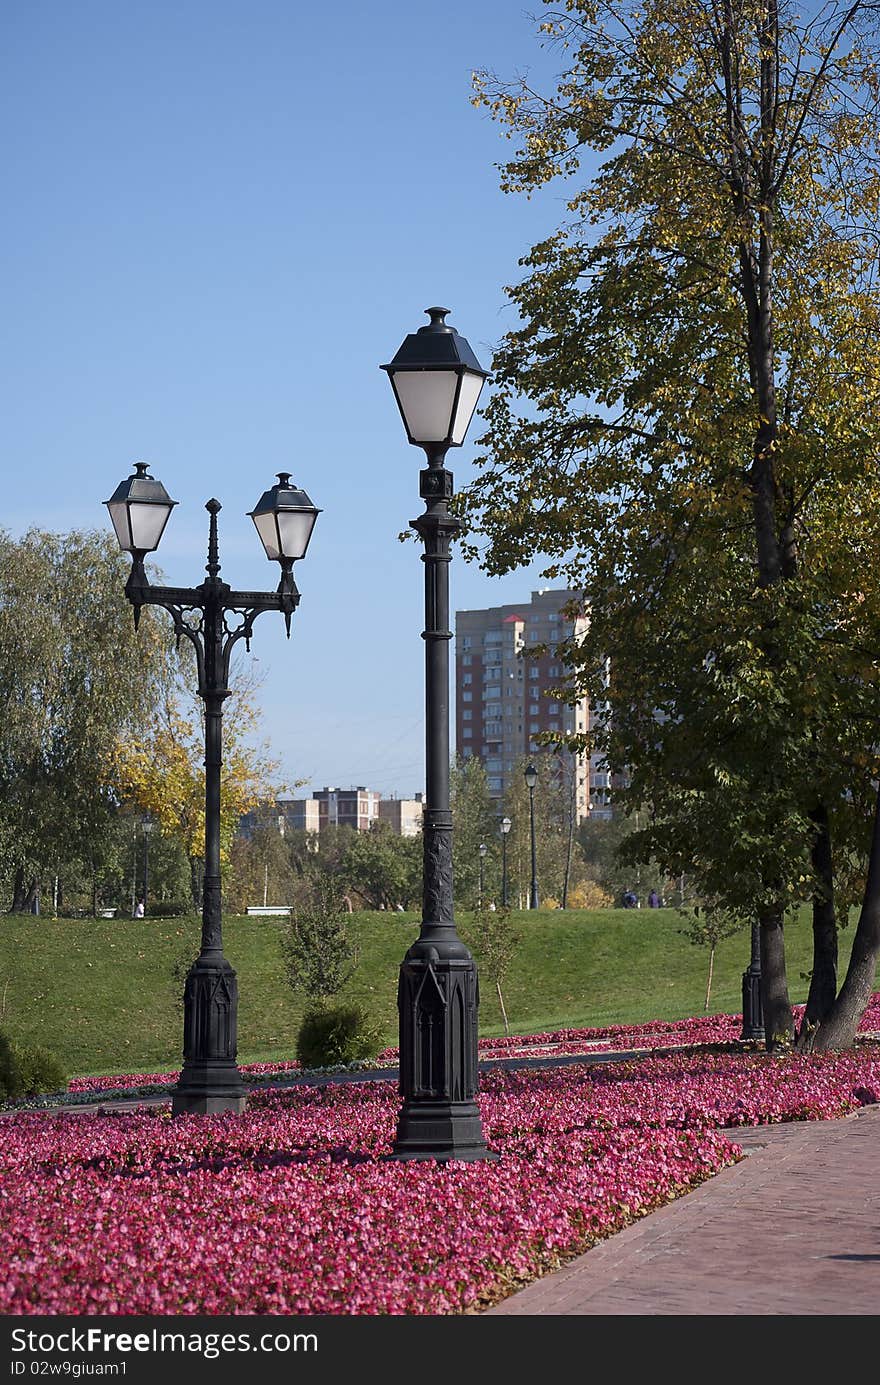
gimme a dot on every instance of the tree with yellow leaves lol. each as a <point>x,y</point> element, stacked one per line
<point>163,773</point>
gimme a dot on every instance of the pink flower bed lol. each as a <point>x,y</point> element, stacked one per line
<point>702,1029</point>
<point>291,1208</point>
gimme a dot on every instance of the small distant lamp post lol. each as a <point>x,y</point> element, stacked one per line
<point>482,849</point>
<point>531,778</point>
<point>505,825</point>
<point>753,1009</point>
<point>284,518</point>
<point>147,826</point>
<point>437,381</point>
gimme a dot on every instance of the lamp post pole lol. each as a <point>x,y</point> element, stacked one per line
<point>505,828</point>
<point>482,850</point>
<point>437,381</point>
<point>210,1081</point>
<point>531,778</point>
<point>147,825</point>
<point>753,1010</point>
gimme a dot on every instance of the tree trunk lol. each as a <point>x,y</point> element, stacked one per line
<point>823,982</point>
<point>838,1029</point>
<point>503,1011</point>
<point>709,982</point>
<point>778,1019</point>
<point>19,892</point>
<point>195,880</point>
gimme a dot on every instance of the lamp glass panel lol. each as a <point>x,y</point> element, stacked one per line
<point>119,516</point>
<point>296,529</point>
<point>471,386</point>
<point>268,533</point>
<point>426,398</point>
<point>147,524</point>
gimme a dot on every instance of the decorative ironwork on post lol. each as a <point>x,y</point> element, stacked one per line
<point>437,381</point>
<point>210,1081</point>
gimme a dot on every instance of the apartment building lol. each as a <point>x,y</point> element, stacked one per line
<point>403,815</point>
<point>501,702</point>
<point>357,808</point>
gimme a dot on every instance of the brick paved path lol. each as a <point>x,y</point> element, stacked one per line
<point>792,1229</point>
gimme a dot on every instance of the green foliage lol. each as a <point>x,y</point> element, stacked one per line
<point>28,1069</point>
<point>494,943</point>
<point>316,948</point>
<point>74,678</point>
<point>382,869</point>
<point>40,1071</point>
<point>474,822</point>
<point>342,1034</point>
<point>705,927</point>
<point>687,419</point>
<point>552,805</point>
<point>10,1077</point>
<point>603,844</point>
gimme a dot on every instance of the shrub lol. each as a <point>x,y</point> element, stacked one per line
<point>341,1034</point>
<point>26,1070</point>
<point>10,1077</point>
<point>316,949</point>
<point>40,1070</point>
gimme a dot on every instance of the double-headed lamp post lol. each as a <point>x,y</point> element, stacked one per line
<point>531,778</point>
<point>505,826</point>
<point>284,517</point>
<point>437,381</point>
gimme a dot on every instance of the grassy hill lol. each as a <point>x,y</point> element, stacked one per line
<point>100,992</point>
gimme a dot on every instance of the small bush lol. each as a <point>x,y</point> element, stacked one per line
<point>27,1070</point>
<point>344,1034</point>
<point>10,1077</point>
<point>39,1070</point>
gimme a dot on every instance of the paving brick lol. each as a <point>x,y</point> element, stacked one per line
<point>794,1229</point>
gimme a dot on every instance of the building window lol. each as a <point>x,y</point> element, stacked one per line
<point>467,697</point>
<point>554,709</point>
<point>534,726</point>
<point>534,672</point>
<point>467,660</point>
<point>467,715</point>
<point>467,732</point>
<point>534,710</point>
<point>466,642</point>
<point>467,679</point>
<point>554,670</point>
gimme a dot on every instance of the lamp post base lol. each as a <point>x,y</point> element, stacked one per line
<point>438,998</point>
<point>441,1130</point>
<point>753,1010</point>
<point>205,1104</point>
<point>210,1082</point>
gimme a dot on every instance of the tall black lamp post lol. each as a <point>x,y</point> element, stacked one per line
<point>437,381</point>
<point>531,778</point>
<point>139,508</point>
<point>482,850</point>
<point>753,1009</point>
<point>505,826</point>
<point>147,827</point>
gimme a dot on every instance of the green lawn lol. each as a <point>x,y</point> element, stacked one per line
<point>99,992</point>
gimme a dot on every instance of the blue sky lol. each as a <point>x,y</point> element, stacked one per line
<point>219,219</point>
